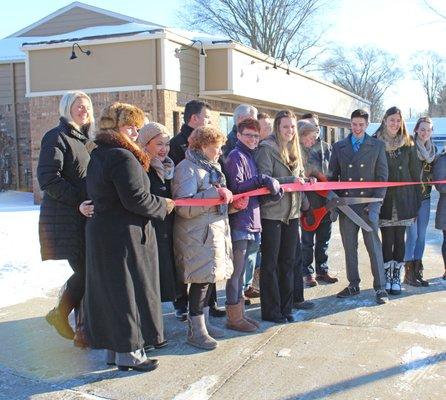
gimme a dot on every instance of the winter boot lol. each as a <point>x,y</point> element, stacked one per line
<point>418,272</point>
<point>213,330</point>
<point>235,319</point>
<point>58,316</point>
<point>245,317</point>
<point>396,278</point>
<point>388,268</point>
<point>197,334</point>
<point>80,337</point>
<point>409,274</point>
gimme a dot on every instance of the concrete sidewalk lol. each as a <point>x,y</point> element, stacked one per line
<point>343,349</point>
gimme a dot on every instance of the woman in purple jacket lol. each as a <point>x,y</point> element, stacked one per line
<point>242,176</point>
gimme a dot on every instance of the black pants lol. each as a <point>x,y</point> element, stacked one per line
<point>181,301</point>
<point>199,294</point>
<point>393,243</point>
<point>278,248</point>
<point>443,249</point>
<point>76,282</point>
<point>298,290</point>
<point>319,249</point>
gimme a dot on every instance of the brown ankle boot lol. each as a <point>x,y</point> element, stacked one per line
<point>235,319</point>
<point>250,320</point>
<point>58,316</point>
<point>409,274</point>
<point>418,273</point>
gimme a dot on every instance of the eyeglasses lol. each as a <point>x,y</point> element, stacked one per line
<point>251,136</point>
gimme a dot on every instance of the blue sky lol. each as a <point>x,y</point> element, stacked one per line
<point>401,27</point>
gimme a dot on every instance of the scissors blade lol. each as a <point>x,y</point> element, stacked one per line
<point>355,218</point>
<point>345,201</point>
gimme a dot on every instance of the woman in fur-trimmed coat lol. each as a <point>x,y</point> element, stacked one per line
<point>122,300</point>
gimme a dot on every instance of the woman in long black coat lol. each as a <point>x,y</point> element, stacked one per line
<point>155,138</point>
<point>401,204</point>
<point>61,172</point>
<point>122,299</point>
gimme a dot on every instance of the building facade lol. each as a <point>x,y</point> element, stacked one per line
<point>158,69</point>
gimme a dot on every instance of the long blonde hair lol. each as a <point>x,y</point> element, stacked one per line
<point>403,131</point>
<point>290,151</point>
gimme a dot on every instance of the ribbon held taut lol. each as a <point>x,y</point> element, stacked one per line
<point>302,187</point>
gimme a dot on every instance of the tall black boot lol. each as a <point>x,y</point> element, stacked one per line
<point>58,316</point>
<point>419,273</point>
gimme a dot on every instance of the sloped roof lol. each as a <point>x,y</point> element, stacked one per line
<point>10,48</point>
<point>86,7</point>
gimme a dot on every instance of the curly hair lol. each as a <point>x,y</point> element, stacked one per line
<point>205,136</point>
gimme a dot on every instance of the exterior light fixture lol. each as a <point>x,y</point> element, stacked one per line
<point>73,54</point>
<point>178,51</point>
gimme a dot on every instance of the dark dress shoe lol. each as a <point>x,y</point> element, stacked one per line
<point>181,314</point>
<point>247,302</point>
<point>155,346</point>
<point>290,317</point>
<point>276,320</point>
<point>326,278</point>
<point>146,366</point>
<point>303,305</point>
<point>214,311</point>
<point>349,291</point>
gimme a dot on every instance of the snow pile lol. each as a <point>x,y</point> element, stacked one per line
<point>23,275</point>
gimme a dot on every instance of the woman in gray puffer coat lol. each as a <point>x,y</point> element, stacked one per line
<point>439,174</point>
<point>202,239</point>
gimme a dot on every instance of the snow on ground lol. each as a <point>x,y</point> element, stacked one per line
<point>23,275</point>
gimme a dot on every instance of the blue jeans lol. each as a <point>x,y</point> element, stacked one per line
<point>416,233</point>
<point>252,252</point>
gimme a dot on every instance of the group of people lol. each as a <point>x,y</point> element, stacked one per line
<point>118,204</point>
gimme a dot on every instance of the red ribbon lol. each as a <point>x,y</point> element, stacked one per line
<point>302,187</point>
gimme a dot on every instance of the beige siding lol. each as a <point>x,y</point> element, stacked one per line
<point>189,70</point>
<point>109,65</point>
<point>5,84</point>
<point>72,20</point>
<point>20,82</point>
<point>217,70</point>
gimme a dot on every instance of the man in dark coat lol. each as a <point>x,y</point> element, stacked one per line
<point>357,158</point>
<point>196,114</point>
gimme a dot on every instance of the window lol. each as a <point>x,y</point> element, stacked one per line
<point>226,123</point>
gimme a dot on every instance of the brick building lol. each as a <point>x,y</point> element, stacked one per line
<point>154,67</point>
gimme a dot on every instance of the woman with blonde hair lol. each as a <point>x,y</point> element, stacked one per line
<point>279,156</point>
<point>401,204</point>
<point>202,238</point>
<point>122,298</point>
<point>61,172</point>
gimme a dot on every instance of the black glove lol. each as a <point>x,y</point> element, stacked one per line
<point>271,184</point>
<point>271,198</point>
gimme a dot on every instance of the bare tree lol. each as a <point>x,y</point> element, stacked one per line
<point>440,107</point>
<point>428,68</point>
<point>283,29</point>
<point>435,9</point>
<point>365,71</point>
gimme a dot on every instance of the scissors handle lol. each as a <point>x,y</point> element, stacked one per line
<point>318,214</point>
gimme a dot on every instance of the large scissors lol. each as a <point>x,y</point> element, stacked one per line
<point>343,204</point>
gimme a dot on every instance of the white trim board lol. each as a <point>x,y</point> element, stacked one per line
<point>90,90</point>
<point>86,7</point>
